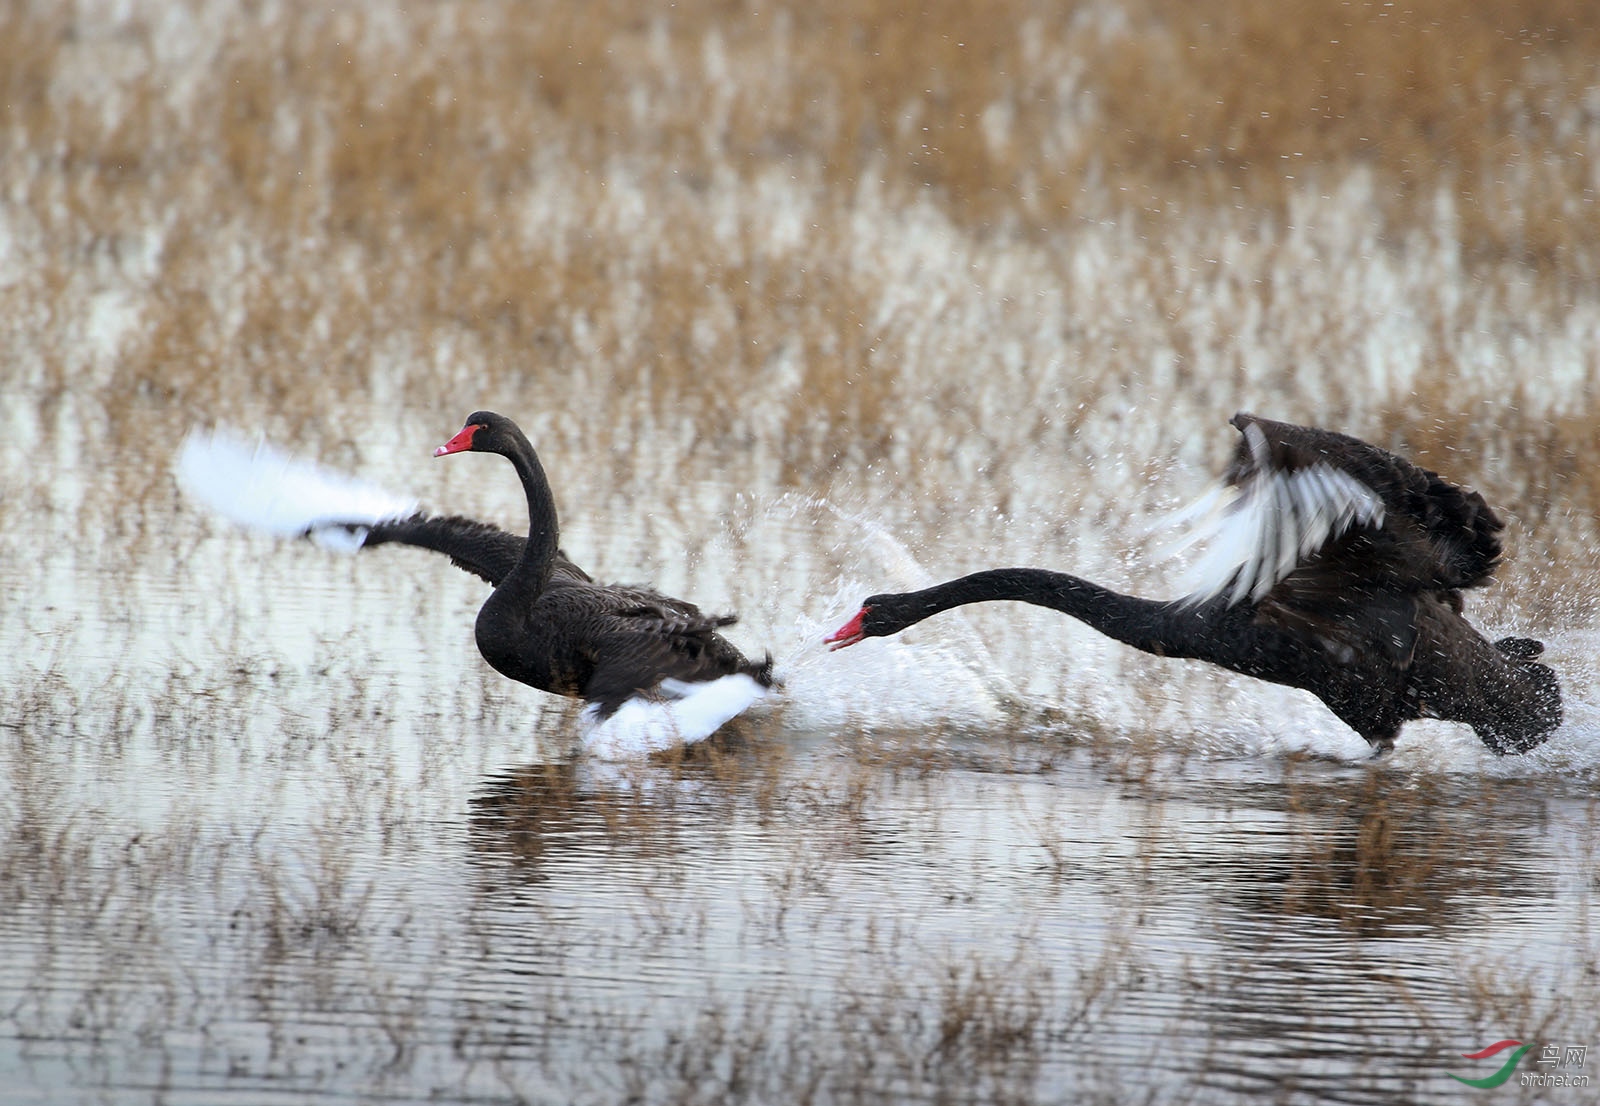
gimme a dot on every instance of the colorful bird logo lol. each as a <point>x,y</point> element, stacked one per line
<point>1500,1076</point>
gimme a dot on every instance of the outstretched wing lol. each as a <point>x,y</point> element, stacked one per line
<point>257,486</point>
<point>1310,516</point>
<point>480,548</point>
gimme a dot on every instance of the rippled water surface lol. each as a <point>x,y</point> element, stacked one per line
<point>295,844</point>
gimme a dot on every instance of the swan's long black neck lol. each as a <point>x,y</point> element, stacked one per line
<point>1164,628</point>
<point>544,535</point>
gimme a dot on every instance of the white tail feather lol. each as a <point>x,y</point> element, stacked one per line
<point>692,713</point>
<point>260,488</point>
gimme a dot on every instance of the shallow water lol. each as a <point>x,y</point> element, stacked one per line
<point>282,837</point>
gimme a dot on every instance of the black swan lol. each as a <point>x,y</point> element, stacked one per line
<point>654,670</point>
<point>1337,568</point>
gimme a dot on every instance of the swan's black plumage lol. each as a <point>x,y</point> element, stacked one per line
<point>1357,601</point>
<point>480,548</point>
<point>548,624</point>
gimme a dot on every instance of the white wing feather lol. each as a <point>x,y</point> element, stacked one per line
<point>260,488</point>
<point>1257,531</point>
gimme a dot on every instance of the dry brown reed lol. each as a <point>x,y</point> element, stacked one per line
<point>1389,852</point>
<point>331,207</point>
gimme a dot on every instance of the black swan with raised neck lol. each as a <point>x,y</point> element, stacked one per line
<point>549,625</point>
<point>1335,567</point>
<point>654,670</point>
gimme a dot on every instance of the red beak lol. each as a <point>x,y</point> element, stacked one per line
<point>848,634</point>
<point>462,440</point>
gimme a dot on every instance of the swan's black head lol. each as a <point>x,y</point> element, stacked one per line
<point>484,432</point>
<point>879,616</point>
<point>1530,712</point>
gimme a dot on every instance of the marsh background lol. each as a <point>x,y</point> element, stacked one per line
<point>798,302</point>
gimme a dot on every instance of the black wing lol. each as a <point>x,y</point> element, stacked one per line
<point>1434,536</point>
<point>1314,518</point>
<point>638,637</point>
<point>480,548</point>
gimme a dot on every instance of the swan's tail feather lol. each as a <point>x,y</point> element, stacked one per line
<point>262,489</point>
<point>682,714</point>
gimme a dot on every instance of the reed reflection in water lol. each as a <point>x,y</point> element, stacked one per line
<point>956,914</point>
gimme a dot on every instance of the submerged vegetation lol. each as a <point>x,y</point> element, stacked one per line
<point>798,303</point>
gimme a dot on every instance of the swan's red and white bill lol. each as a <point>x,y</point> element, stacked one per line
<point>461,442</point>
<point>848,634</point>
<point>258,487</point>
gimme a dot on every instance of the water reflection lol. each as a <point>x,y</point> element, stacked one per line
<point>1402,857</point>
<point>964,911</point>
<point>530,815</point>
<point>1383,857</point>
<point>522,813</point>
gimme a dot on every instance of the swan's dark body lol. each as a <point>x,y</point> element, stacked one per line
<point>548,624</point>
<point>1370,620</point>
